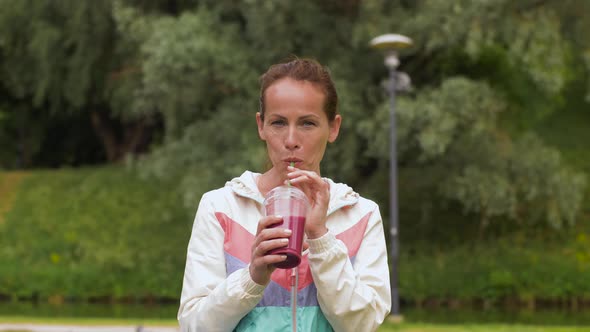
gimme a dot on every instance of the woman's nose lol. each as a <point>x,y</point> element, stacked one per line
<point>292,140</point>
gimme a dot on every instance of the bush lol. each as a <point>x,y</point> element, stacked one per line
<point>516,267</point>
<point>93,233</point>
<point>104,233</point>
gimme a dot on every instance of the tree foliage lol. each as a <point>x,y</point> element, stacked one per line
<point>64,60</point>
<point>483,73</point>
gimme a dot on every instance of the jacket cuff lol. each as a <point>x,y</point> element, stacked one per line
<point>250,286</point>
<point>322,243</point>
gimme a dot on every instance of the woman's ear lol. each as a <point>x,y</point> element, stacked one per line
<point>335,128</point>
<point>260,124</point>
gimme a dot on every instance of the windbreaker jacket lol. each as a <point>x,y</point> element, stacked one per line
<point>343,276</point>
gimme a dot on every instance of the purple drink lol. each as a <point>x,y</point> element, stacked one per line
<point>290,203</point>
<point>293,250</point>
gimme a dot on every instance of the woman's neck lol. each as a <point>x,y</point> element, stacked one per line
<point>269,180</point>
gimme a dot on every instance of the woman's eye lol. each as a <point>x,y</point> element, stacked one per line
<point>309,124</point>
<point>277,123</point>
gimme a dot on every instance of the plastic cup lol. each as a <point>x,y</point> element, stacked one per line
<point>292,204</point>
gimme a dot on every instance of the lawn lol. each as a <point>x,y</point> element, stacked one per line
<point>386,327</point>
<point>461,328</point>
<point>409,327</point>
<point>86,321</point>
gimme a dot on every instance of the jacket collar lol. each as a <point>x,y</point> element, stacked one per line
<point>341,195</point>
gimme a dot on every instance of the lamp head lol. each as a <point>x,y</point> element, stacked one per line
<point>389,44</point>
<point>390,41</point>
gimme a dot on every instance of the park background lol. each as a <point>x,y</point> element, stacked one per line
<point>117,115</point>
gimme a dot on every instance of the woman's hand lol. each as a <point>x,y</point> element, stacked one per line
<point>261,264</point>
<point>318,192</point>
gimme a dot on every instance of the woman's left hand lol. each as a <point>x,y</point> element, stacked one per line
<point>318,192</point>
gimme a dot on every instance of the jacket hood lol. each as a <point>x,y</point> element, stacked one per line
<point>341,195</point>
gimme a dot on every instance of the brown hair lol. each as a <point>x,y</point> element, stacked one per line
<point>308,70</point>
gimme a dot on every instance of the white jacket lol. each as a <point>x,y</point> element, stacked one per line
<point>343,280</point>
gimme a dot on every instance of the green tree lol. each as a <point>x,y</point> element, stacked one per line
<point>63,60</point>
<point>450,128</point>
<point>484,73</point>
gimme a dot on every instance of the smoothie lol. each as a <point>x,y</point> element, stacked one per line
<point>292,204</point>
<point>293,249</point>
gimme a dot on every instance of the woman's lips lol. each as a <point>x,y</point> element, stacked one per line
<point>293,161</point>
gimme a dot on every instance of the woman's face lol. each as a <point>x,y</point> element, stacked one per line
<point>295,126</point>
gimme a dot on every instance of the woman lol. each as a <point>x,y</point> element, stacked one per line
<point>230,282</point>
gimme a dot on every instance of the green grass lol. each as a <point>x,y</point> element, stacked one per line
<point>96,232</point>
<point>104,232</point>
<point>410,327</point>
<point>386,327</point>
<point>522,267</point>
<point>87,321</point>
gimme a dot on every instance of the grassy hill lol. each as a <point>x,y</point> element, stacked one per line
<point>105,234</point>
<point>90,233</point>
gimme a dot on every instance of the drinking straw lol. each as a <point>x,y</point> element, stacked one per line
<point>294,285</point>
<point>289,182</point>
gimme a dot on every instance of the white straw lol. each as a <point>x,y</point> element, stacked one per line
<point>294,285</point>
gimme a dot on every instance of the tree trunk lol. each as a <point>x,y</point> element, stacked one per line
<point>106,133</point>
<point>135,136</point>
<point>483,223</point>
<point>119,139</point>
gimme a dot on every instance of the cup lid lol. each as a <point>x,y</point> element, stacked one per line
<point>285,192</point>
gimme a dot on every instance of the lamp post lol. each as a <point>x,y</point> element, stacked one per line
<point>390,43</point>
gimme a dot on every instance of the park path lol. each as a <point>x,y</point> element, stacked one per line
<point>79,328</point>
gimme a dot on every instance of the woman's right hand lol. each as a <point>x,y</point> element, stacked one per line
<point>267,238</point>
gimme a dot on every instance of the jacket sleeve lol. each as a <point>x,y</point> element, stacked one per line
<point>353,297</point>
<point>210,301</point>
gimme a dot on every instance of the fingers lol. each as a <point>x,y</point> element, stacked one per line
<point>267,222</point>
<point>315,188</point>
<point>267,262</point>
<point>308,181</point>
<point>318,192</point>
<point>264,247</point>
<point>300,176</point>
<point>269,238</point>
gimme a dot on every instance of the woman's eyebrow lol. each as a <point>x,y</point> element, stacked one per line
<point>309,116</point>
<point>276,116</point>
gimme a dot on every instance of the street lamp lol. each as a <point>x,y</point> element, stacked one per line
<point>390,43</point>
